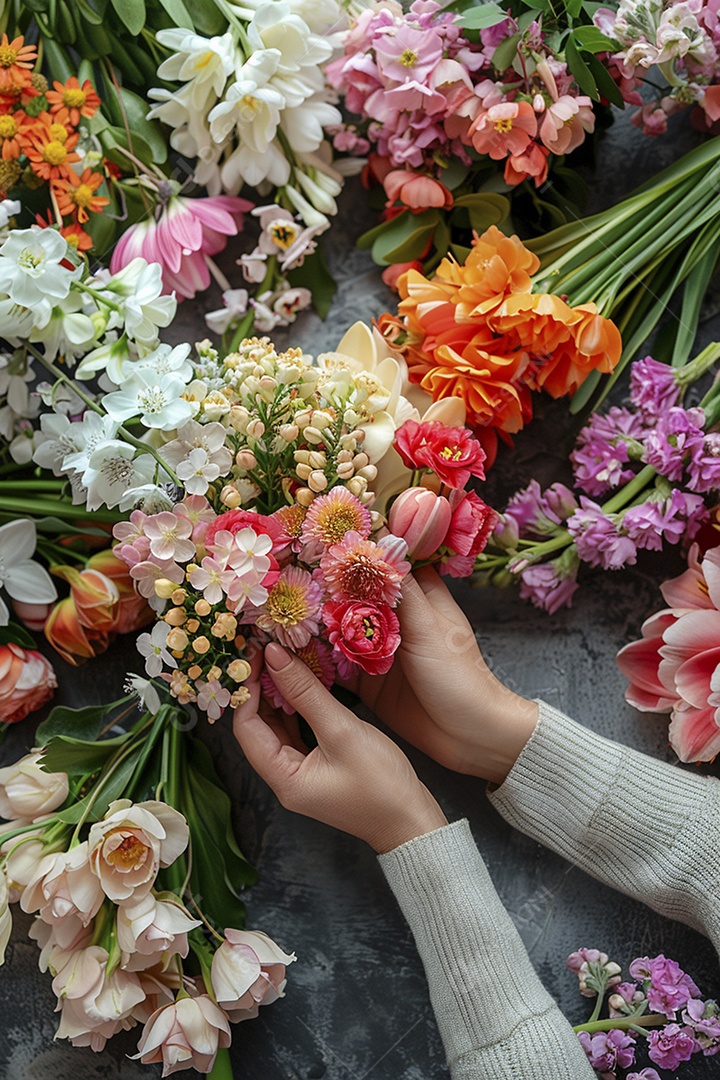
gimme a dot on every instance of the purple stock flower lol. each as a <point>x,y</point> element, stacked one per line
<point>703,1018</point>
<point>652,522</point>
<point>676,438</point>
<point>595,971</point>
<point>597,539</point>
<point>545,587</point>
<point>654,387</point>
<point>608,1050</point>
<point>538,514</point>
<point>601,450</point>
<point>668,988</point>
<point>644,1074</point>
<point>670,1045</point>
<point>704,464</point>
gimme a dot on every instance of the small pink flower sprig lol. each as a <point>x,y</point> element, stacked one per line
<point>661,1004</point>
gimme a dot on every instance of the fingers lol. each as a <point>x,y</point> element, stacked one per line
<point>307,695</point>
<point>267,748</point>
<point>436,591</point>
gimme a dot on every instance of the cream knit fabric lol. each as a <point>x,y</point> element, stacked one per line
<point>644,827</point>
<point>496,1020</point>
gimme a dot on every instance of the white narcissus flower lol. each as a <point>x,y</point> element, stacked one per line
<point>165,360</point>
<point>184,1035</point>
<point>87,435</point>
<point>22,579</point>
<point>155,927</point>
<point>57,438</point>
<point>146,692</point>
<point>31,273</point>
<point>112,469</point>
<point>155,398</point>
<point>26,790</point>
<point>153,647</point>
<point>144,307</point>
<point>131,843</point>
<point>248,970</point>
<point>5,915</point>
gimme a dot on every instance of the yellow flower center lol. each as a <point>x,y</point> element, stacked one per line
<point>83,195</point>
<point>287,604</point>
<point>503,126</point>
<point>8,56</point>
<point>283,234</point>
<point>54,153</point>
<point>130,852</point>
<point>58,133</point>
<point>8,127</point>
<point>72,239</point>
<point>408,58</point>
<point>335,521</point>
<point>451,454</point>
<point>369,629</point>
<point>74,97</point>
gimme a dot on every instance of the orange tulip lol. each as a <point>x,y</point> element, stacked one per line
<point>75,643</point>
<point>95,596</point>
<point>133,611</point>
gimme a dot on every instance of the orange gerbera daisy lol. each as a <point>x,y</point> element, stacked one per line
<point>15,128</point>
<point>76,237</point>
<point>53,153</point>
<point>16,63</point>
<point>76,195</point>
<point>69,101</point>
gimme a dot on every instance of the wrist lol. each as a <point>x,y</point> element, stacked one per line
<point>416,816</point>
<point>502,731</point>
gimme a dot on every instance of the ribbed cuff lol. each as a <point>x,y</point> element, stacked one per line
<point>642,826</point>
<point>488,1001</point>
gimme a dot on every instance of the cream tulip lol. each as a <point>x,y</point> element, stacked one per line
<point>26,790</point>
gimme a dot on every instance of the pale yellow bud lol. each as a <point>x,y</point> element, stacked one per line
<point>179,597</point>
<point>361,460</point>
<point>255,429</point>
<point>175,617</point>
<point>177,639</point>
<point>224,626</point>
<point>313,435</point>
<point>357,486</point>
<point>345,470</point>
<point>192,626</point>
<point>239,418</point>
<point>318,460</point>
<point>344,456</point>
<point>368,472</point>
<point>239,670</point>
<point>289,432</point>
<point>304,496</point>
<point>202,607</point>
<point>164,588</point>
<point>303,471</point>
<point>317,481</point>
<point>195,671</point>
<point>201,645</point>
<point>245,459</point>
<point>230,497</point>
<point>322,419</point>
<point>214,673</point>
<point>239,697</point>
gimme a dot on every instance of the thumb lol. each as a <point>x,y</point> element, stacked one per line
<point>304,691</point>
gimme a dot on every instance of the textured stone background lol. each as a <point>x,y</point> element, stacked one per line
<point>357,1004</point>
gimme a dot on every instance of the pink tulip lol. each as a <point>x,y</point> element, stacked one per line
<point>184,1035</point>
<point>422,519</point>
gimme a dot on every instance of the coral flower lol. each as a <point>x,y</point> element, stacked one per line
<point>183,234</point>
<point>533,162</point>
<point>452,453</point>
<point>76,195</point>
<point>363,633</point>
<point>333,515</point>
<point>292,610</point>
<point>69,101</point>
<point>416,190</point>
<point>53,153</point>
<point>503,129</point>
<point>358,569</point>
<point>16,62</point>
<point>77,237</point>
<point>565,123</point>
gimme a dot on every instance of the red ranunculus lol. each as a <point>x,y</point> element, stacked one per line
<point>451,452</point>
<point>366,634</point>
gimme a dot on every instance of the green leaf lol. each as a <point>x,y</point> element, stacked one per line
<point>15,634</point>
<point>591,39</point>
<point>484,209</point>
<point>214,803</point>
<point>133,111</point>
<point>84,723</point>
<point>207,18</point>
<point>478,18</point>
<point>131,13</point>
<point>606,85</point>
<point>408,240</point>
<point>505,53</point>
<point>111,790</point>
<point>315,276</point>
<point>368,238</point>
<point>178,13</point>
<point>76,756</point>
<point>580,71</point>
<point>57,60</point>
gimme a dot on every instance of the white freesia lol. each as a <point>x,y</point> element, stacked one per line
<point>155,926</point>
<point>144,306</point>
<point>86,435</point>
<point>5,915</point>
<point>21,577</point>
<point>8,209</point>
<point>113,468</point>
<point>153,647</point>
<point>204,63</point>
<point>251,106</point>
<point>148,696</point>
<point>235,302</point>
<point>31,273</point>
<point>131,843</point>
<point>26,790</point>
<point>164,360</point>
<point>56,440</point>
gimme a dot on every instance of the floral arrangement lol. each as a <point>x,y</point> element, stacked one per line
<point>478,331</point>
<point>671,669</point>
<point>660,1002</point>
<point>653,465</point>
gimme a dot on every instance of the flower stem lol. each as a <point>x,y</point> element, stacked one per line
<point>222,1069</point>
<point>622,1023</point>
<point>243,329</point>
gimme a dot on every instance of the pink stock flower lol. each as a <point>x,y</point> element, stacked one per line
<point>675,666</point>
<point>181,237</point>
<point>565,123</point>
<point>505,128</point>
<point>186,1034</point>
<point>422,519</point>
<point>364,633</point>
<point>358,569</point>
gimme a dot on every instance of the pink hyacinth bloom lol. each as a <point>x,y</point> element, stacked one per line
<point>181,237</point>
<point>674,666</point>
<point>565,123</point>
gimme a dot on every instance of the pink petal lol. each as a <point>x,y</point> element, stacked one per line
<point>694,733</point>
<point>692,679</point>
<point>639,662</point>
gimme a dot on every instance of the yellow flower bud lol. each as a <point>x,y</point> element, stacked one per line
<point>317,481</point>
<point>245,459</point>
<point>318,460</point>
<point>304,496</point>
<point>177,640</point>
<point>192,626</point>
<point>202,607</point>
<point>312,435</point>
<point>176,616</point>
<point>179,597</point>
<point>214,673</point>
<point>303,471</point>
<point>164,588</point>
<point>238,670</point>
<point>195,671</point>
<point>239,697</point>
<point>230,497</point>
<point>201,645</point>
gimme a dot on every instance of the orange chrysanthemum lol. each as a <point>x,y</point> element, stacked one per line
<point>53,152</point>
<point>16,63</point>
<point>76,195</point>
<point>69,101</point>
<point>15,129</point>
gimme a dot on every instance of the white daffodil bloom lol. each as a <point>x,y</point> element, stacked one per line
<point>112,469</point>
<point>21,577</point>
<point>155,398</point>
<point>31,273</point>
<point>204,63</point>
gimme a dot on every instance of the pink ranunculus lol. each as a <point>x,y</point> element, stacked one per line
<point>422,518</point>
<point>675,666</point>
<point>565,123</point>
<point>180,238</point>
<point>186,1034</point>
<point>366,634</point>
<point>27,681</point>
<point>131,843</point>
<point>248,970</point>
<point>452,453</point>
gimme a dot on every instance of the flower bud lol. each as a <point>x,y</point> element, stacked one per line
<point>538,103</point>
<point>230,497</point>
<point>345,470</point>
<point>239,670</point>
<point>26,790</point>
<point>317,481</point>
<point>361,460</point>
<point>255,429</point>
<point>245,459</point>
<point>177,639</point>
<point>179,597</point>
<point>164,588</point>
<point>303,471</point>
<point>201,645</point>
<point>202,607</point>
<point>289,432</point>
<point>304,496</point>
<point>192,626</point>
<point>357,486</point>
<point>96,596</point>
<point>422,519</point>
<point>312,435</point>
<point>175,617</point>
<point>368,472</point>
<point>317,459</point>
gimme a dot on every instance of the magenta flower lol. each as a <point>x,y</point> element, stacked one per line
<point>703,1018</point>
<point>677,437</point>
<point>597,539</point>
<point>608,1050</point>
<point>671,1045</point>
<point>654,388</point>
<point>667,986</point>
<point>358,569</point>
<point>548,586</point>
<point>181,237</point>
<point>650,523</point>
<point>704,464</point>
<point>532,514</point>
<point>644,1074</point>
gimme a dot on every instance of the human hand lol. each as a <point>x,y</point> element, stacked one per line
<point>355,779</point>
<point>440,694</point>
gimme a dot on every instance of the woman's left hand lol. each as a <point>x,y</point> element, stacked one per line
<point>355,779</point>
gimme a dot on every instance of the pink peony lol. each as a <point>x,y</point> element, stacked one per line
<point>366,634</point>
<point>675,666</point>
<point>27,681</point>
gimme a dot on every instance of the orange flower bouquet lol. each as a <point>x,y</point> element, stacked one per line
<point>477,331</point>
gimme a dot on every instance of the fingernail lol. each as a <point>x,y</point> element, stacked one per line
<point>276,657</point>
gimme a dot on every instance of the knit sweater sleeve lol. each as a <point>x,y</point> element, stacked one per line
<point>495,1018</point>
<point>649,829</point>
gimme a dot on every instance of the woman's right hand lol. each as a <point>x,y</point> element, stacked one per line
<point>440,694</point>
